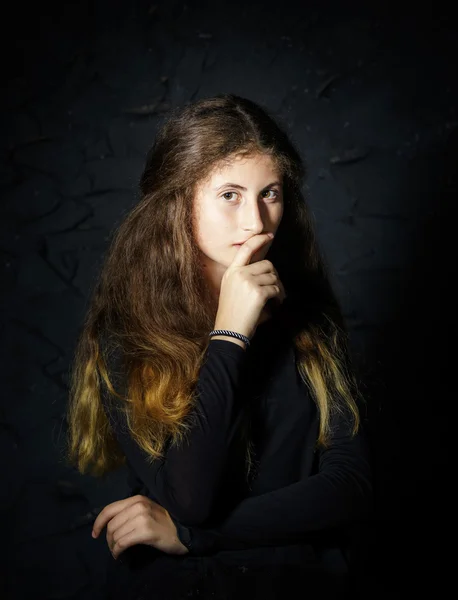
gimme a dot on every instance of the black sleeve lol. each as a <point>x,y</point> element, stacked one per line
<point>340,492</point>
<point>186,480</point>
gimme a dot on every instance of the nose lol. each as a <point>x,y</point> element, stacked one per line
<point>252,217</point>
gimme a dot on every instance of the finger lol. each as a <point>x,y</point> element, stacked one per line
<point>262,266</point>
<point>260,270</point>
<point>246,250</point>
<point>117,535</point>
<point>138,534</point>
<point>144,532</point>
<point>279,298</point>
<point>128,514</point>
<point>110,511</point>
<point>124,516</point>
<point>123,542</point>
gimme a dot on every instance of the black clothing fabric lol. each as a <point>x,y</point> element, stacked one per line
<point>275,520</point>
<point>161,576</point>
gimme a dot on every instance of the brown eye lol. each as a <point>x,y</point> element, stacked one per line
<point>272,197</point>
<point>228,193</point>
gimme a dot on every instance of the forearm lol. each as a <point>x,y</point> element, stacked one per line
<point>300,511</point>
<point>186,480</point>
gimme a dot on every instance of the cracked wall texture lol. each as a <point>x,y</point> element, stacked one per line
<point>370,98</point>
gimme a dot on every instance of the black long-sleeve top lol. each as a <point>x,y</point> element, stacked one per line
<point>295,490</point>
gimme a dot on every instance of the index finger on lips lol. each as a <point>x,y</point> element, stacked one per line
<point>110,511</point>
<point>246,250</point>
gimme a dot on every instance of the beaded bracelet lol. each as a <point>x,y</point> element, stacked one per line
<point>235,334</point>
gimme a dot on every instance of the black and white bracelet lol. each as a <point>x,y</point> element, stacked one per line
<point>235,334</point>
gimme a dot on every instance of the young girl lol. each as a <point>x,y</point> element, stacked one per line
<point>214,363</point>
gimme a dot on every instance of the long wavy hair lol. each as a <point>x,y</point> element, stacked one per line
<point>151,305</point>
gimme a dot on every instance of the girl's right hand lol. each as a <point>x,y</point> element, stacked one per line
<point>245,289</point>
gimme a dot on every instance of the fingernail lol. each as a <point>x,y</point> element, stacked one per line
<point>271,235</point>
<point>93,534</point>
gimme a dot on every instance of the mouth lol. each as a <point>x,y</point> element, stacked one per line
<point>241,243</point>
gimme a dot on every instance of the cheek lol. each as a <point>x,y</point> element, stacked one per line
<point>213,229</point>
<point>215,221</point>
<point>279,214</point>
<point>275,214</point>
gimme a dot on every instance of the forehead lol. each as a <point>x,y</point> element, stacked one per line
<point>256,168</point>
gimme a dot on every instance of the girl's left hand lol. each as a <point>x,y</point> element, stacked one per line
<point>138,520</point>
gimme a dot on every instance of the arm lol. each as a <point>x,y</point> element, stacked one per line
<point>340,492</point>
<point>186,480</point>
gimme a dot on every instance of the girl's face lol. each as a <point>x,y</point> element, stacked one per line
<point>237,202</point>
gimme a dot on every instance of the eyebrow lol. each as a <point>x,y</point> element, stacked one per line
<point>244,189</point>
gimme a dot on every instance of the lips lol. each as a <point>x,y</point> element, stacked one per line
<point>240,243</point>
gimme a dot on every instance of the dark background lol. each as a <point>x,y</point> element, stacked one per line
<point>368,92</point>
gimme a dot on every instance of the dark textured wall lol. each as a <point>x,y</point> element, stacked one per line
<point>369,94</point>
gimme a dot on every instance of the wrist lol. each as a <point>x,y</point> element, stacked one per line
<point>231,335</point>
<point>184,536</point>
<point>229,339</point>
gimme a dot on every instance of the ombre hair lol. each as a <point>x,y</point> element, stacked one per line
<point>151,306</point>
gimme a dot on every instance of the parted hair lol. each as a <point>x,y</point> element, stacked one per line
<point>151,305</point>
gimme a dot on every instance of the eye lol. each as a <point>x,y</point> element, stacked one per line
<point>276,194</point>
<point>228,193</point>
<point>272,197</point>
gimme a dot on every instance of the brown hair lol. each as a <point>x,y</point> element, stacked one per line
<point>151,301</point>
